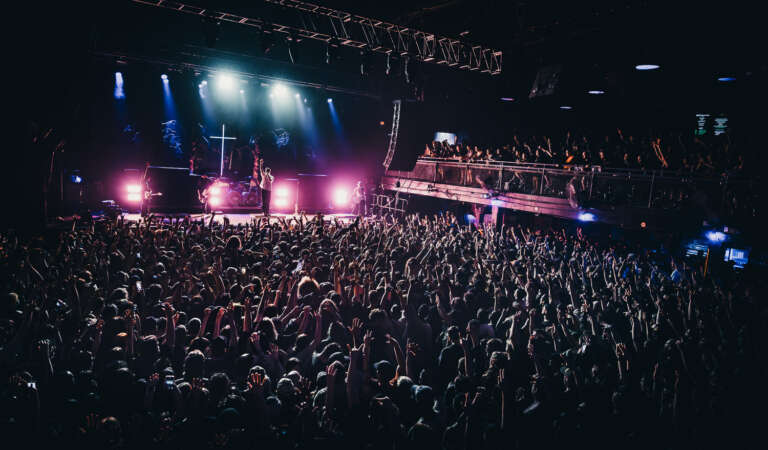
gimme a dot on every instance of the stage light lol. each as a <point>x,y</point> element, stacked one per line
<point>279,90</point>
<point>596,92</point>
<point>215,190</point>
<point>297,95</point>
<point>330,100</point>
<point>566,108</point>
<point>507,99</point>
<point>119,92</point>
<point>647,66</point>
<point>643,224</point>
<point>200,86</point>
<point>716,236</point>
<point>242,91</point>
<point>204,82</point>
<point>214,201</point>
<point>586,217</point>
<point>382,123</point>
<point>133,188</point>
<point>726,79</point>
<point>225,81</point>
<point>77,179</point>
<point>340,197</point>
<point>470,218</point>
<point>281,202</point>
<point>133,197</point>
<point>164,77</point>
<point>282,192</point>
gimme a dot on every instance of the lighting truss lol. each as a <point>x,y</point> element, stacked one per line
<point>319,23</point>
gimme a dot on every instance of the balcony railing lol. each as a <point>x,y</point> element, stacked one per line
<point>665,189</point>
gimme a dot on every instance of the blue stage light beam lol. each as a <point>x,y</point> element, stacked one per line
<point>119,92</point>
<point>168,103</point>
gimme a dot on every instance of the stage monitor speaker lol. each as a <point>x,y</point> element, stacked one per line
<point>412,129</point>
<point>178,189</point>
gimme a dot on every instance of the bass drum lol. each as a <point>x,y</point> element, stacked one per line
<point>251,198</point>
<point>233,198</point>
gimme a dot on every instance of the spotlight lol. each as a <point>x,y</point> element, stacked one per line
<point>279,90</point>
<point>586,217</point>
<point>225,81</point>
<point>242,91</point>
<point>281,202</point>
<point>726,79</point>
<point>340,197</point>
<point>330,100</point>
<point>643,224</point>
<point>566,107</point>
<point>507,99</point>
<point>381,123</point>
<point>215,190</point>
<point>214,201</point>
<point>119,92</point>
<point>596,92</point>
<point>282,192</point>
<point>647,66</point>
<point>133,197</point>
<point>164,77</point>
<point>133,188</point>
<point>715,236</point>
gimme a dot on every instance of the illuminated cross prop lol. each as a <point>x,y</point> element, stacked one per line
<point>223,138</point>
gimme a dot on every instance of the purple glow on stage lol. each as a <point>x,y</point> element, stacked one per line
<point>341,196</point>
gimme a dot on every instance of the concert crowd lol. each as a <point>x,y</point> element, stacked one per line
<point>710,155</point>
<point>377,334</point>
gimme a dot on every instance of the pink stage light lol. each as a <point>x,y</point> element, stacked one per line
<point>134,197</point>
<point>340,197</point>
<point>282,192</point>
<point>215,190</point>
<point>214,200</point>
<point>281,202</point>
<point>133,189</point>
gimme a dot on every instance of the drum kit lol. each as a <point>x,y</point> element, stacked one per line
<point>231,193</point>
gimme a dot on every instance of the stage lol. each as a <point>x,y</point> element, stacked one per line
<point>242,219</point>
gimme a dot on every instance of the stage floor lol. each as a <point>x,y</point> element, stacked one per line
<point>237,219</point>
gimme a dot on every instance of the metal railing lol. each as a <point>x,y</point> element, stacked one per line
<point>665,189</point>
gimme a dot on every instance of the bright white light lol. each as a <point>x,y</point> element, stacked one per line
<point>164,77</point>
<point>133,197</point>
<point>214,201</point>
<point>647,66</point>
<point>596,92</point>
<point>507,99</point>
<point>279,90</point>
<point>225,81</point>
<point>297,95</point>
<point>586,217</point>
<point>204,82</point>
<point>305,100</point>
<point>282,192</point>
<point>242,91</point>
<point>281,202</point>
<point>340,197</point>
<point>716,236</point>
<point>565,107</point>
<point>330,100</point>
<point>133,188</point>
